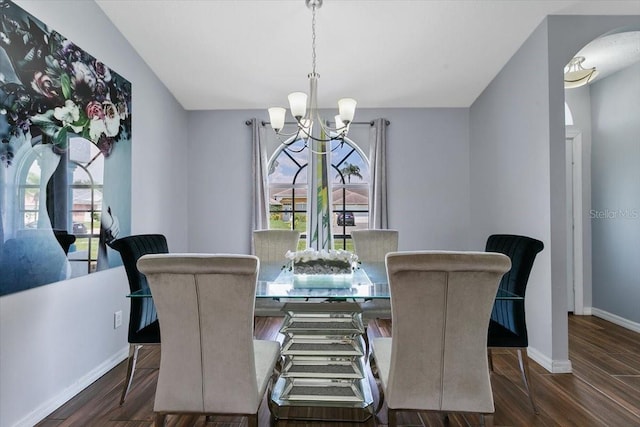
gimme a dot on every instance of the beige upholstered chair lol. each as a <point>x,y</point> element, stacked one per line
<point>373,246</point>
<point>209,363</point>
<point>436,358</point>
<point>271,246</point>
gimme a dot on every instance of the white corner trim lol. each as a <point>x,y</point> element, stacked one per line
<point>553,366</point>
<point>586,311</point>
<point>39,413</point>
<point>614,318</point>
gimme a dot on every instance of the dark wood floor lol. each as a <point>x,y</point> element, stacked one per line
<point>604,389</point>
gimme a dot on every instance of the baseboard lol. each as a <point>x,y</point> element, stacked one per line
<point>586,311</point>
<point>39,413</point>
<point>553,366</point>
<point>614,318</point>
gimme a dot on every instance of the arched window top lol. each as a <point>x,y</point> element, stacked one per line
<point>287,163</point>
<point>288,190</point>
<point>289,160</point>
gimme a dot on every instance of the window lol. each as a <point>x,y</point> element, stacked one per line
<point>288,190</point>
<point>73,198</point>
<point>85,167</point>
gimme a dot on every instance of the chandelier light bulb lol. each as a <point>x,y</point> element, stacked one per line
<point>347,109</point>
<point>276,117</point>
<point>298,104</point>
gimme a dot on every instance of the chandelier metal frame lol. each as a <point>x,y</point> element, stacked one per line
<point>305,109</point>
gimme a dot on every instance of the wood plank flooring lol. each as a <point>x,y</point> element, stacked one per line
<point>604,389</point>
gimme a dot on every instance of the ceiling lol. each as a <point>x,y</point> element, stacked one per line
<point>244,54</point>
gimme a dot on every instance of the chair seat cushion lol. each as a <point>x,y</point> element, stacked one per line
<point>150,334</point>
<point>266,355</point>
<point>499,336</point>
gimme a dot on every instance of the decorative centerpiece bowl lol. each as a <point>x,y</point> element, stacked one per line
<point>322,269</point>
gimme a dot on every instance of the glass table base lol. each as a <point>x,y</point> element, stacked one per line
<point>323,375</point>
<point>318,399</point>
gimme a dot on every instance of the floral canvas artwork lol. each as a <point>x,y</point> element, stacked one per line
<point>65,155</point>
<point>50,83</point>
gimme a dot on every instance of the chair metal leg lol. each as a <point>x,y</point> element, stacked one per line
<point>445,419</point>
<point>523,360</point>
<point>131,367</point>
<point>393,419</point>
<point>160,420</point>
<point>252,420</point>
<point>376,379</point>
<point>486,420</point>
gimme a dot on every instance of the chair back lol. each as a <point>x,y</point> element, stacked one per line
<point>205,309</point>
<point>374,245</point>
<point>272,245</point>
<point>143,311</point>
<point>441,302</point>
<point>522,251</point>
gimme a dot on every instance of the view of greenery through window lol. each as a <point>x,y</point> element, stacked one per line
<point>288,190</point>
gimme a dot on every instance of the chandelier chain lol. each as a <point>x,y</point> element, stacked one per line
<point>313,39</point>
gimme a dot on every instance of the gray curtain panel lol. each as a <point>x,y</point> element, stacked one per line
<point>378,213</point>
<point>260,203</point>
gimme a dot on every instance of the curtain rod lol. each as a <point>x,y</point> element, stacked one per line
<point>263,123</point>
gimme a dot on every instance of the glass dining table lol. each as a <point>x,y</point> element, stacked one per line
<point>324,349</point>
<point>369,281</point>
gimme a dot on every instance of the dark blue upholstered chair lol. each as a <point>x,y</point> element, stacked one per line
<point>508,326</point>
<point>143,320</point>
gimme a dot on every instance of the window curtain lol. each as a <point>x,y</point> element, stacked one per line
<point>260,203</point>
<point>378,213</point>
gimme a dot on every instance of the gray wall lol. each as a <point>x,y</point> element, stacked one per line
<point>510,173</point>
<point>517,163</point>
<point>615,214</point>
<point>428,162</point>
<point>59,338</point>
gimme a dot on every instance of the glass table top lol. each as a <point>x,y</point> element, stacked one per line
<point>369,281</point>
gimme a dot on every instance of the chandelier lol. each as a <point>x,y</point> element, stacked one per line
<point>310,126</point>
<point>575,75</point>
